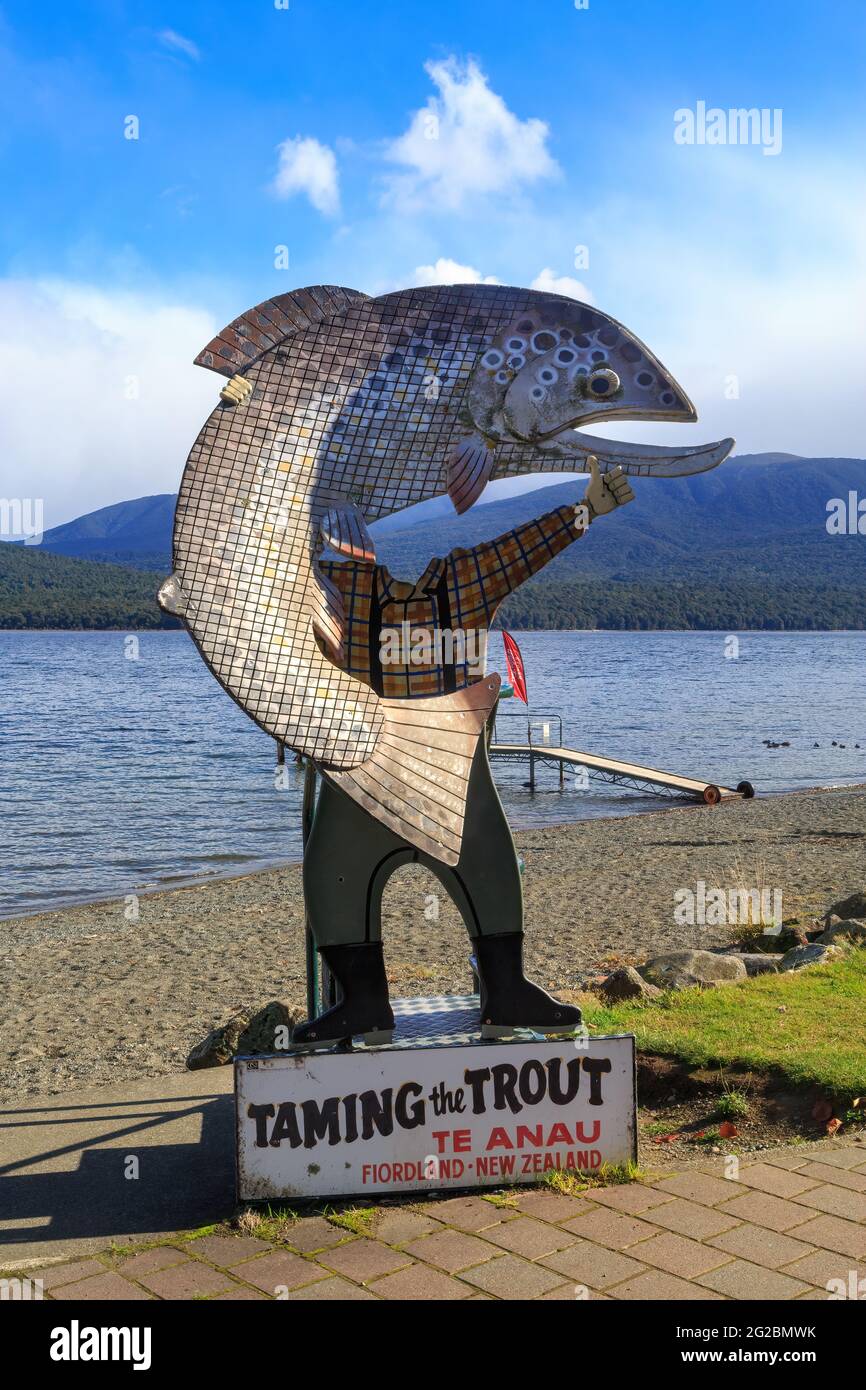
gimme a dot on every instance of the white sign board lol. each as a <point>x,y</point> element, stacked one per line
<point>412,1119</point>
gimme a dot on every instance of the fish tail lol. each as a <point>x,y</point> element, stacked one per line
<point>417,777</point>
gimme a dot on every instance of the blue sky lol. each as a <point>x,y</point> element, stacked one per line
<point>309,127</point>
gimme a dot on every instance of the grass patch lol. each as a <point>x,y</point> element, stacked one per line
<point>809,1025</point>
<point>268,1223</point>
<point>570,1181</point>
<point>500,1199</point>
<point>733,1105</point>
<point>656,1128</point>
<point>358,1220</point>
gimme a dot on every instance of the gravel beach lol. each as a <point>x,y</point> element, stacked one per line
<point>91,998</point>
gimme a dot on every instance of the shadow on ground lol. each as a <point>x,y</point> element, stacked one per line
<point>75,1173</point>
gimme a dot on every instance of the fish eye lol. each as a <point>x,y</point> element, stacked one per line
<point>603,382</point>
<point>644,379</point>
<point>543,341</point>
<point>493,358</point>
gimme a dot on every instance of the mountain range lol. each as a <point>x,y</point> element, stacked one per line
<point>746,544</point>
<point>759,514</point>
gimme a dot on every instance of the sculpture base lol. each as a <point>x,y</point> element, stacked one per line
<point>439,1108</point>
<point>438,1020</point>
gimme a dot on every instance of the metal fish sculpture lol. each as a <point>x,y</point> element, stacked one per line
<point>340,409</point>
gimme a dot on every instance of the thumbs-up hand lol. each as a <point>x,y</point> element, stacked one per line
<point>606,492</point>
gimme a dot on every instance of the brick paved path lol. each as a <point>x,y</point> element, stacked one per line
<point>790,1222</point>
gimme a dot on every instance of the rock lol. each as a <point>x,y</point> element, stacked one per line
<point>219,1046</point>
<point>780,939</point>
<point>759,963</point>
<point>814,954</point>
<point>839,931</point>
<point>682,969</point>
<point>626,983</point>
<point>852,906</point>
<point>260,1034</point>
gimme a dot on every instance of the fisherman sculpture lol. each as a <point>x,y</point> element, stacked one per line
<point>411,640</point>
<point>341,409</point>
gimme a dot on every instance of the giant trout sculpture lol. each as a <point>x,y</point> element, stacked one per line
<point>341,409</point>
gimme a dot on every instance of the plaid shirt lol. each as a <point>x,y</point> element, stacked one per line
<point>430,637</point>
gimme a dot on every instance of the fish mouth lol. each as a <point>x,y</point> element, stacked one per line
<point>652,460</point>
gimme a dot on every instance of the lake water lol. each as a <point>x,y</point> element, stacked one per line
<point>126,767</point>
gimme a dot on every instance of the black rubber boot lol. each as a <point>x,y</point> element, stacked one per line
<point>508,999</point>
<point>363,1009</point>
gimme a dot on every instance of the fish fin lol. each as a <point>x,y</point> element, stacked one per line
<point>171,597</point>
<point>254,333</point>
<point>329,614</point>
<point>467,470</point>
<point>345,530</point>
<point>417,777</point>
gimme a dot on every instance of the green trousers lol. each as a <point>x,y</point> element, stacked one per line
<point>350,856</point>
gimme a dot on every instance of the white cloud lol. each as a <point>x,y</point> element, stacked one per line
<point>561,284</point>
<point>179,44</point>
<point>465,142</point>
<point>448,272</point>
<point>74,432</point>
<point>306,166</point>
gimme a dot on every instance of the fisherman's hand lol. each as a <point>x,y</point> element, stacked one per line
<point>605,493</point>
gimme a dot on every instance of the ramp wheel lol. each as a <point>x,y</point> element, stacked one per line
<point>745,789</point>
<point>712,795</point>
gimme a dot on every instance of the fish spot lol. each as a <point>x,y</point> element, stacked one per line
<point>644,379</point>
<point>493,358</point>
<point>544,341</point>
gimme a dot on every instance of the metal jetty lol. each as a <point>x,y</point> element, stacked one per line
<point>544,744</point>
